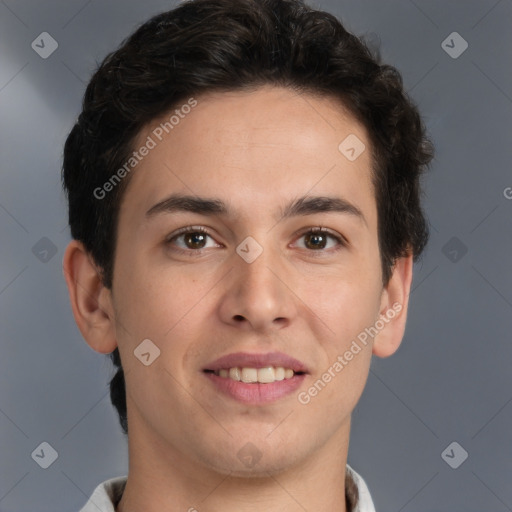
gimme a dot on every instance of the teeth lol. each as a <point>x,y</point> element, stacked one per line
<point>279,373</point>
<point>265,375</point>
<point>249,375</point>
<point>234,373</point>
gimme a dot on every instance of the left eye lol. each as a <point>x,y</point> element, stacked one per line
<point>318,239</point>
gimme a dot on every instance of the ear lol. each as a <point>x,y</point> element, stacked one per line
<point>91,301</point>
<point>393,308</point>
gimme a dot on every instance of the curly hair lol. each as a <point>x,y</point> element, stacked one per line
<point>228,45</point>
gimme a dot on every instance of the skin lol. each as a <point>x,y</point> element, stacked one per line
<point>256,151</point>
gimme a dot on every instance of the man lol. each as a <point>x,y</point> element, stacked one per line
<point>243,187</point>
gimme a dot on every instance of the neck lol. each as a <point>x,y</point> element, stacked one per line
<point>162,478</point>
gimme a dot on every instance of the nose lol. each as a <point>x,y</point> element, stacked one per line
<point>257,296</point>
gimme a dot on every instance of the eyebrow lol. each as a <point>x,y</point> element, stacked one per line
<point>305,205</point>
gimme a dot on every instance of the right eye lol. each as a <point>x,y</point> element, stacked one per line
<point>191,239</point>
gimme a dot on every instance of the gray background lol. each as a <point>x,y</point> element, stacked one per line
<point>450,380</point>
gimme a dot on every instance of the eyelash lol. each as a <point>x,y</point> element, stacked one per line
<point>342,242</point>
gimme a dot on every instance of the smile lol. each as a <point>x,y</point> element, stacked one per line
<point>256,379</point>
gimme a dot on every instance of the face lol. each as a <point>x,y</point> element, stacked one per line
<point>237,281</point>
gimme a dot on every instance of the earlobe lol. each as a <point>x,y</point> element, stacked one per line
<point>393,309</point>
<point>91,301</point>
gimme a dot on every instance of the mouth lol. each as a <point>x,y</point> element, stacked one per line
<point>256,378</point>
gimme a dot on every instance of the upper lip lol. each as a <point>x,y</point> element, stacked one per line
<point>247,360</point>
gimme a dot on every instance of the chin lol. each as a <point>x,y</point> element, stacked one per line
<point>257,459</point>
<point>263,469</point>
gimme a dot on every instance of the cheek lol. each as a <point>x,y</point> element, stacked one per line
<point>169,310</point>
<point>346,302</point>
<point>152,302</point>
<point>348,305</point>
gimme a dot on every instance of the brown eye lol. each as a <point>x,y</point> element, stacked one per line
<point>194,240</point>
<point>319,239</point>
<point>191,239</point>
<point>315,240</point>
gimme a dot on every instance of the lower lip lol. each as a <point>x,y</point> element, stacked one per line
<point>256,393</point>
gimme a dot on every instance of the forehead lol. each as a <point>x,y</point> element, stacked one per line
<point>253,149</point>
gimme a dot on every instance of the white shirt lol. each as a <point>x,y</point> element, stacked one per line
<point>107,495</point>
